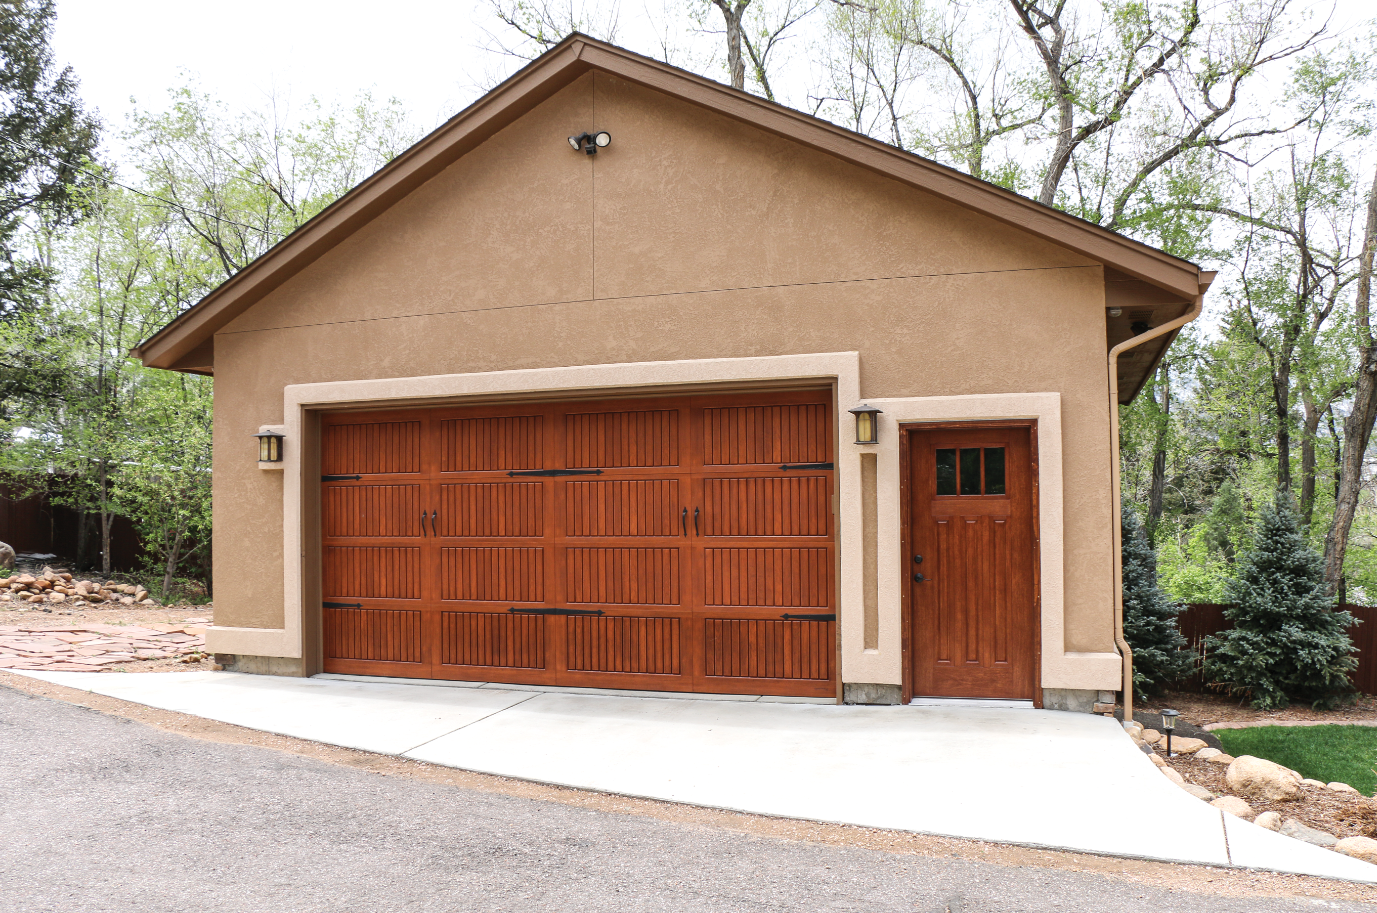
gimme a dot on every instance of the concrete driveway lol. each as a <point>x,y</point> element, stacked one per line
<point>1037,778</point>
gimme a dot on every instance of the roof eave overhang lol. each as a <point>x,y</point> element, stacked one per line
<point>559,67</point>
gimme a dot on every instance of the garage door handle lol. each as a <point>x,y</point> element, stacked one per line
<point>820,617</point>
<point>433,530</point>
<point>423,523</point>
<point>695,521</point>
<point>683,521</point>
<point>514,610</point>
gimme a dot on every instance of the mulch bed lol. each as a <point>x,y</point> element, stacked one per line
<point>1341,814</point>
<point>1203,709</point>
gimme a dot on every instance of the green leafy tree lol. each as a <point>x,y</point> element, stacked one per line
<point>1160,653</point>
<point>45,137</point>
<point>1287,642</point>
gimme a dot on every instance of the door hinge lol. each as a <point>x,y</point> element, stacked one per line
<point>788,466</point>
<point>342,605</point>
<point>555,611</point>
<point>339,478</point>
<point>818,617</point>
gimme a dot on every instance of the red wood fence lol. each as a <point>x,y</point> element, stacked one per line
<point>35,524</point>
<point>1201,619</point>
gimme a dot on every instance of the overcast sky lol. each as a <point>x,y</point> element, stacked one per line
<point>427,53</point>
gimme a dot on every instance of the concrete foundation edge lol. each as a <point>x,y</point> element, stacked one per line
<point>292,667</point>
<point>864,693</point>
<point>1075,700</point>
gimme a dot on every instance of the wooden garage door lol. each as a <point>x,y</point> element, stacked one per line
<point>666,544</point>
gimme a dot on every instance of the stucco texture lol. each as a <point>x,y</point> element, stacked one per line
<point>692,236</point>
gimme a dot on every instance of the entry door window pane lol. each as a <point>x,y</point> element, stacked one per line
<point>970,470</point>
<point>994,470</point>
<point>946,471</point>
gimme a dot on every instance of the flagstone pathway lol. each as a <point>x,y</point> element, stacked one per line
<point>91,647</point>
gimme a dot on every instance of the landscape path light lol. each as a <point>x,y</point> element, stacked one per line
<point>1168,724</point>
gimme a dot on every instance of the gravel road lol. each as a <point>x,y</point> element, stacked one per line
<point>99,813</point>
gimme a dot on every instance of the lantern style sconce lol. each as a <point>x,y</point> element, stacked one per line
<point>269,446</point>
<point>867,426</point>
<point>1169,724</point>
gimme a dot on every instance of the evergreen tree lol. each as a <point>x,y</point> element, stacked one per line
<point>1287,642</point>
<point>1160,653</point>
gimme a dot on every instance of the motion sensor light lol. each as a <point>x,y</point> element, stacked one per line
<point>589,142</point>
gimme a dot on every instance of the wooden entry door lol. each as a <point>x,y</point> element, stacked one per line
<point>680,544</point>
<point>970,567</point>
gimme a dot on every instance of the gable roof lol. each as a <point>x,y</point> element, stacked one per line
<point>186,343</point>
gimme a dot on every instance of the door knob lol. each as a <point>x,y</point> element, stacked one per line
<point>918,578</point>
<point>917,559</point>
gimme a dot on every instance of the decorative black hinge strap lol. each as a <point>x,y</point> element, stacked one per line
<point>787,466</point>
<point>339,478</point>
<point>556,472</point>
<point>789,617</point>
<point>342,605</point>
<point>556,611</point>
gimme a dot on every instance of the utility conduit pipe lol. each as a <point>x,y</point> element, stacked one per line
<point>1117,511</point>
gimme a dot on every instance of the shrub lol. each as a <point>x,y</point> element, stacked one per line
<point>1160,653</point>
<point>1287,642</point>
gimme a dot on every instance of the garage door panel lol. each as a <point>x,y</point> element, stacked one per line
<point>625,507</point>
<point>774,577</point>
<point>777,506</point>
<point>352,511</point>
<point>372,572</point>
<point>491,509</point>
<point>492,639</point>
<point>603,440</point>
<point>498,574</point>
<point>768,648</point>
<point>371,448</point>
<point>622,576</point>
<point>376,635</point>
<point>756,435</point>
<point>493,443</point>
<point>624,644</point>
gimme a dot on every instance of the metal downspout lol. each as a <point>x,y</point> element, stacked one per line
<point>1117,533</point>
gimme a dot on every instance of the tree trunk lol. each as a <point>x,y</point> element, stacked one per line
<point>736,64</point>
<point>1281,403</point>
<point>1358,424</point>
<point>1307,467</point>
<point>1159,456</point>
<point>107,520</point>
<point>170,568</point>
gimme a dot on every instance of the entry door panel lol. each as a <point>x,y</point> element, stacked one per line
<point>663,544</point>
<point>973,624</point>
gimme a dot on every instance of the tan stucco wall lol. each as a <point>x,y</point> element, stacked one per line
<point>690,237</point>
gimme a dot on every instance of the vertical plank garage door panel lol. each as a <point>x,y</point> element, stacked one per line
<point>373,574</point>
<point>645,543</point>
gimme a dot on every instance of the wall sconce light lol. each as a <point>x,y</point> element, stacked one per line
<point>1169,724</point>
<point>867,426</point>
<point>269,446</point>
<point>590,142</point>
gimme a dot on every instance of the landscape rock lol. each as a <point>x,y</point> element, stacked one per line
<point>1199,792</point>
<point>1269,820</point>
<point>1235,806</point>
<point>1257,778</point>
<point>1341,788</point>
<point>23,579</point>
<point>1316,784</point>
<point>1151,736</point>
<point>6,557</point>
<point>1173,776</point>
<point>1220,758</point>
<point>1186,745</point>
<point>126,600</point>
<point>1293,828</point>
<point>1364,848</point>
<point>1206,753</point>
<point>57,598</point>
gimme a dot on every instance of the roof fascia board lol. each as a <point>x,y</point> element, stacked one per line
<point>410,170</point>
<point>1132,257</point>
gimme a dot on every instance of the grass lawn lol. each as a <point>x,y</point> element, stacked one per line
<point>1326,753</point>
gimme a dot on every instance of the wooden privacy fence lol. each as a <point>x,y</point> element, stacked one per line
<point>1201,619</point>
<point>35,524</point>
